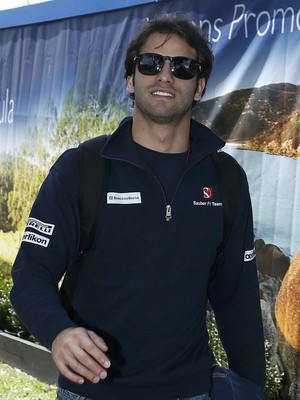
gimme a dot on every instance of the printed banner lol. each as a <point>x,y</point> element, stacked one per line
<point>62,82</point>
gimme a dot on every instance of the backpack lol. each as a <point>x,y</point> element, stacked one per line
<point>93,193</point>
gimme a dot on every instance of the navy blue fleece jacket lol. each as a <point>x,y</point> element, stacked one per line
<point>143,285</point>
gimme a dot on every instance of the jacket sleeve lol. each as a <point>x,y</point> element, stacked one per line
<point>48,246</point>
<point>234,296</point>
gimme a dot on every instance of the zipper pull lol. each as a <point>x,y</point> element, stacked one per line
<point>168,213</point>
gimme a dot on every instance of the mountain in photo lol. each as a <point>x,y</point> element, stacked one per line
<point>263,119</point>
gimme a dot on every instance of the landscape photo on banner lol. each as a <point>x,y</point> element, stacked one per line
<point>62,82</point>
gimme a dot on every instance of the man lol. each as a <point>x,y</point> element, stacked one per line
<point>139,324</point>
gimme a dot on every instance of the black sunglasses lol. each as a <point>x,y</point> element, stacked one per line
<point>181,67</point>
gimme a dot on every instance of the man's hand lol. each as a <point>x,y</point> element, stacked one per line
<point>79,354</point>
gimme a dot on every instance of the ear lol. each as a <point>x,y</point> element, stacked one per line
<point>130,84</point>
<point>199,89</point>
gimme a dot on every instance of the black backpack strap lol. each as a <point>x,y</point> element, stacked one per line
<point>228,172</point>
<point>94,174</point>
<point>93,180</point>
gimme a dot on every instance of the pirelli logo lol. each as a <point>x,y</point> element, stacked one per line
<point>40,226</point>
<point>43,228</point>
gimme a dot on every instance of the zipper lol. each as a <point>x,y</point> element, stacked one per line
<point>168,214</point>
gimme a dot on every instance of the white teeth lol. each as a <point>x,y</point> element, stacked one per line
<point>163,94</point>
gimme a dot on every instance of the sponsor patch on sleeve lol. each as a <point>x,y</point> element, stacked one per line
<point>249,255</point>
<point>42,227</point>
<point>34,238</point>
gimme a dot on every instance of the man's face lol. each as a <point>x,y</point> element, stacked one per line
<point>163,98</point>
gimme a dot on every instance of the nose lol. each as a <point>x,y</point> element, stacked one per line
<point>165,74</point>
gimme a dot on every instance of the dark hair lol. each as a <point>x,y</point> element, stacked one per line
<point>173,24</point>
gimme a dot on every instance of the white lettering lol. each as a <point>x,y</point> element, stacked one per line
<point>247,17</point>
<point>283,18</point>
<point>124,198</point>
<point>217,204</point>
<point>249,255</point>
<point>265,22</point>
<point>40,226</point>
<point>217,29</point>
<point>208,30</point>
<point>211,29</point>
<point>207,203</point>
<point>200,203</point>
<point>8,105</point>
<point>237,18</point>
<point>31,237</point>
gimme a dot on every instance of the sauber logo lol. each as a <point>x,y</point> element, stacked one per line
<point>207,199</point>
<point>249,255</point>
<point>208,193</point>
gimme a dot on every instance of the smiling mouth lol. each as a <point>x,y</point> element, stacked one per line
<point>163,94</point>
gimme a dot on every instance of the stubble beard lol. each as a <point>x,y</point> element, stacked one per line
<point>161,113</point>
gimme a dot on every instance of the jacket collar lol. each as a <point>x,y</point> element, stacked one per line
<point>120,145</point>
